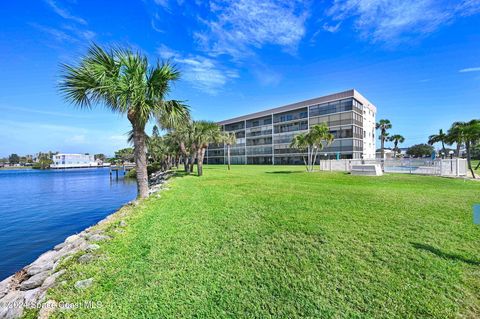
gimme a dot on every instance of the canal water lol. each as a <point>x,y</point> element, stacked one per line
<point>39,209</point>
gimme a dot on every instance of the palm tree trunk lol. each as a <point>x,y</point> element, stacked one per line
<point>140,162</point>
<point>199,162</point>
<point>228,156</point>
<point>469,158</point>
<point>382,147</point>
<point>443,148</point>
<point>192,161</point>
<point>186,164</point>
<point>305,162</point>
<point>458,149</point>
<point>314,158</point>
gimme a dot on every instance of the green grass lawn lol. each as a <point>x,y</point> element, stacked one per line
<point>474,165</point>
<point>263,241</point>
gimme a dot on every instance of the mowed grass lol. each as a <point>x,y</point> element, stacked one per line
<point>474,165</point>
<point>276,242</point>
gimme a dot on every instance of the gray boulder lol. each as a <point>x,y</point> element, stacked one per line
<point>51,280</point>
<point>5,286</point>
<point>34,281</point>
<point>92,247</point>
<point>98,237</point>
<point>39,267</point>
<point>83,284</point>
<point>85,259</point>
<point>11,306</point>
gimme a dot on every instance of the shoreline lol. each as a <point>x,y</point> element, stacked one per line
<point>28,287</point>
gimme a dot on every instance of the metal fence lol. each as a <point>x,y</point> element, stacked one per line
<point>439,167</point>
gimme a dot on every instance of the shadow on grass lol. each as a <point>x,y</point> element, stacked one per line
<point>284,172</point>
<point>445,255</point>
<point>182,173</point>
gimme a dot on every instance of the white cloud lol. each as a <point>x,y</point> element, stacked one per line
<point>64,13</point>
<point>476,69</point>
<point>57,34</point>
<point>66,33</point>
<point>204,74</point>
<point>393,20</point>
<point>166,53</point>
<point>238,26</point>
<point>331,28</point>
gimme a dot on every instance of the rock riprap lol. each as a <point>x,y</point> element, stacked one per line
<point>28,287</point>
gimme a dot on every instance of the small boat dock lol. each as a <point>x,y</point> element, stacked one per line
<point>115,169</point>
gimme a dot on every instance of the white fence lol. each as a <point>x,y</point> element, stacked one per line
<point>439,167</point>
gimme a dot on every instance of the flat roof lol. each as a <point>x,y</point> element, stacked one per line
<point>323,99</point>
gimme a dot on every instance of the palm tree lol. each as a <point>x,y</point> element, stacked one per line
<point>123,81</point>
<point>205,132</point>
<point>318,137</point>
<point>396,139</point>
<point>300,143</point>
<point>455,136</point>
<point>441,137</point>
<point>467,133</point>
<point>229,139</point>
<point>383,125</point>
<point>312,142</point>
<point>184,137</point>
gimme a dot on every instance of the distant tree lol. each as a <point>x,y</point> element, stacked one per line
<point>383,125</point>
<point>441,137</point>
<point>100,157</point>
<point>44,160</point>
<point>420,150</point>
<point>125,155</point>
<point>229,139</point>
<point>14,159</point>
<point>396,139</point>
<point>155,131</point>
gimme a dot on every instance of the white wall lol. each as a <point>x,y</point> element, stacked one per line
<point>369,135</point>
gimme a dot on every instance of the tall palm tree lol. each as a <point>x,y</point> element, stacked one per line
<point>318,137</point>
<point>455,135</point>
<point>300,143</point>
<point>312,142</point>
<point>441,137</point>
<point>123,81</point>
<point>229,139</point>
<point>205,132</point>
<point>467,133</point>
<point>383,125</point>
<point>396,139</point>
<point>184,137</point>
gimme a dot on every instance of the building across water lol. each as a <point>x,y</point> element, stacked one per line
<point>264,137</point>
<point>75,161</point>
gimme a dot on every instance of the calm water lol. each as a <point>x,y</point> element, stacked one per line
<point>39,209</point>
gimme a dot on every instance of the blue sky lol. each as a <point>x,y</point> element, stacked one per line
<point>418,61</point>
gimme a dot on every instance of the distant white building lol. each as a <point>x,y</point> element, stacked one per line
<point>73,161</point>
